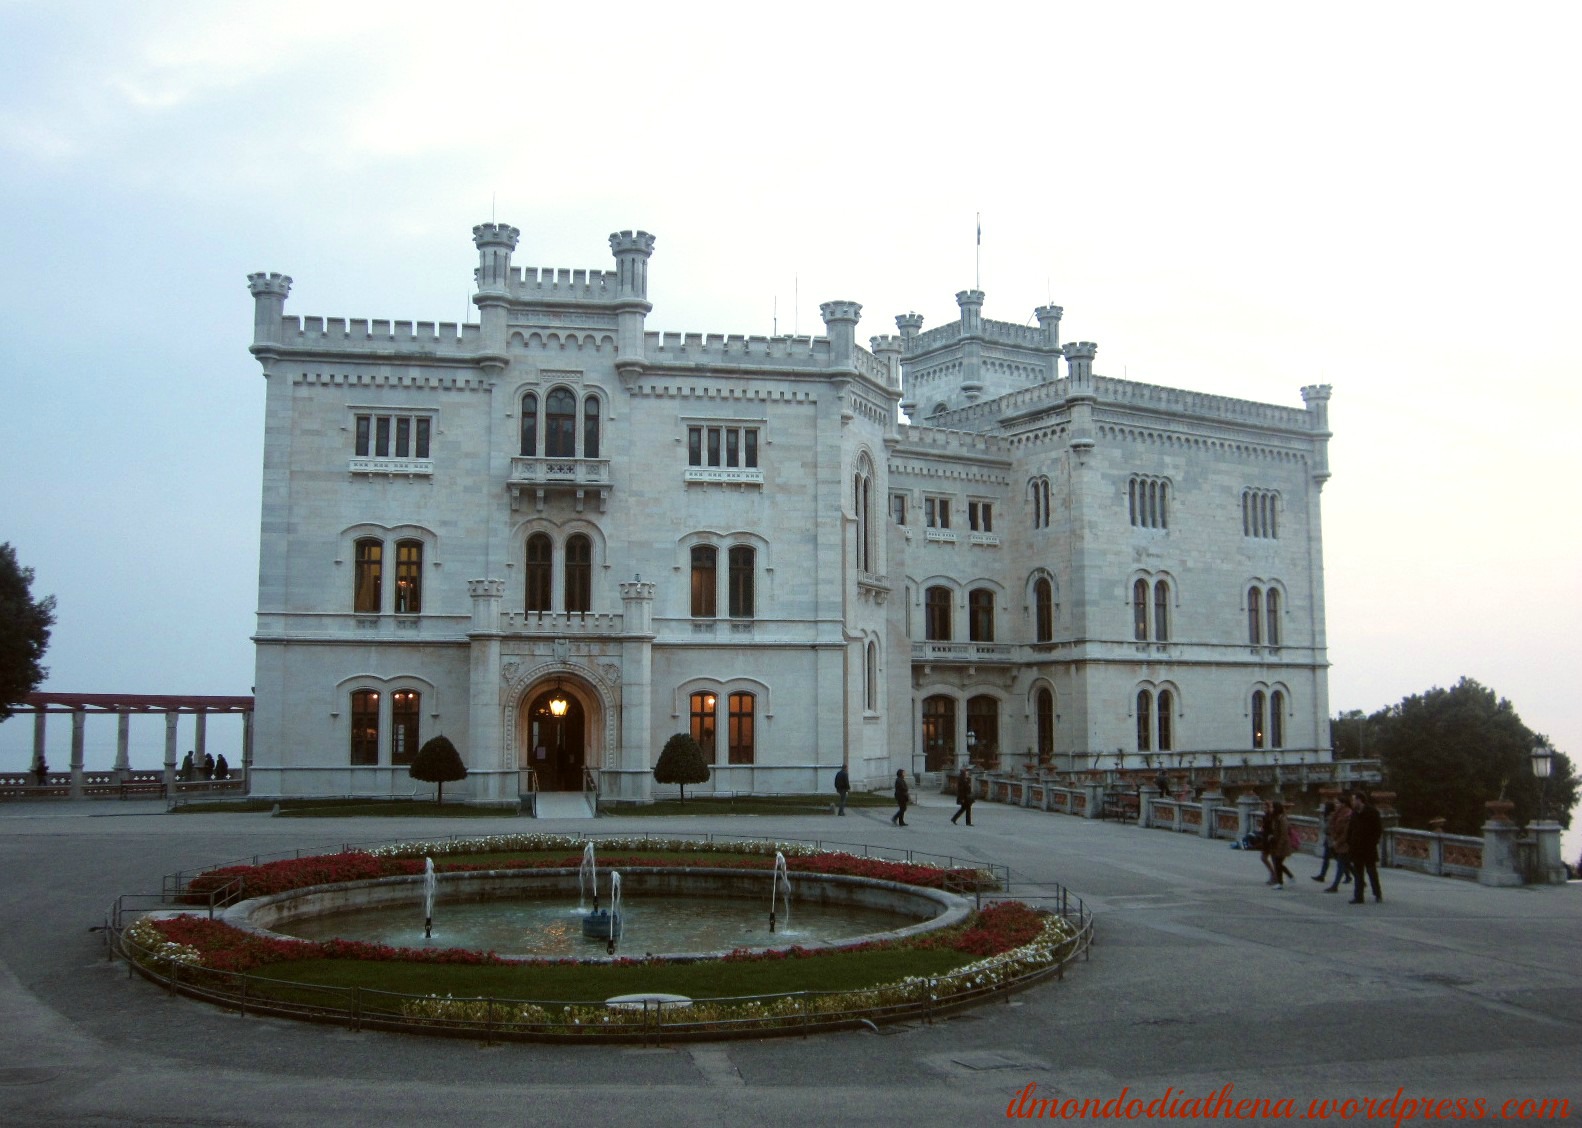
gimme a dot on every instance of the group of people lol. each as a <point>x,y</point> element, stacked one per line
<point>903,795</point>
<point>1352,831</point>
<point>210,769</point>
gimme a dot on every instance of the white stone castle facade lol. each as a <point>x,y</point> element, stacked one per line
<point>736,537</point>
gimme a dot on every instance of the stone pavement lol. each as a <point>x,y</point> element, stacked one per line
<point>1201,977</point>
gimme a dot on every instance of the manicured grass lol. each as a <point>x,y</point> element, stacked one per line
<point>840,971</point>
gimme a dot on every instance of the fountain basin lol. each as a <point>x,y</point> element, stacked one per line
<point>928,909</point>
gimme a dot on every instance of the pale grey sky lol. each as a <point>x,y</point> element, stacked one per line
<point>1234,198</point>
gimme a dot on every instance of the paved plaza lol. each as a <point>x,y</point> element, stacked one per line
<point>1201,977</point>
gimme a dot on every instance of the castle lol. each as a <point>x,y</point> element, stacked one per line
<point>558,538</point>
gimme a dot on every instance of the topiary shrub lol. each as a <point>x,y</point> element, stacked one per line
<point>438,762</point>
<point>681,762</point>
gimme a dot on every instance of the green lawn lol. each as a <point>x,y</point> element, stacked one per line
<point>422,808</point>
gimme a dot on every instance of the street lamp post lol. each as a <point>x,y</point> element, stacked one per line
<point>1543,763</point>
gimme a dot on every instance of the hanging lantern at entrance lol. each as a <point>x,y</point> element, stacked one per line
<point>558,703</point>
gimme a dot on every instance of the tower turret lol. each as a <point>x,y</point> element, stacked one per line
<point>1316,397</point>
<point>840,326</point>
<point>1049,321</point>
<point>910,325</point>
<point>888,350</point>
<point>1079,366</point>
<point>269,305</point>
<point>631,250</point>
<point>971,303</point>
<point>495,242</point>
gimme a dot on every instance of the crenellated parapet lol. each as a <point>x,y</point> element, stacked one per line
<point>269,302</point>
<point>360,335</point>
<point>737,351</point>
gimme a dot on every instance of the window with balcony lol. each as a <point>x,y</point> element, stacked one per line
<point>936,512</point>
<point>405,705</point>
<point>389,439</point>
<point>725,452</point>
<point>980,516</point>
<point>555,429</point>
<point>365,728</point>
<point>409,577</point>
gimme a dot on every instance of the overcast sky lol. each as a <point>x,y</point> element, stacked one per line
<point>1234,198</point>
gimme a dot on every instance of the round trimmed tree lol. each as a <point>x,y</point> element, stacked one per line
<point>438,762</point>
<point>681,762</point>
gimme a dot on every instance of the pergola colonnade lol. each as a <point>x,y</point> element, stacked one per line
<point>122,706</point>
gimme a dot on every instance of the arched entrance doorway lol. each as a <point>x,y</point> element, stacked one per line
<point>553,738</point>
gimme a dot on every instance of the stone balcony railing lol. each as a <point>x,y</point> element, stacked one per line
<point>961,652</point>
<point>536,477</point>
<point>556,624</point>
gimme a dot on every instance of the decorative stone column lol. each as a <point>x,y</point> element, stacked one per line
<point>491,780</point>
<point>1211,801</point>
<point>1501,862</point>
<point>1551,867</point>
<point>1247,804</point>
<point>78,720</point>
<point>1146,794</point>
<point>171,721</point>
<point>123,741</point>
<point>1095,795</point>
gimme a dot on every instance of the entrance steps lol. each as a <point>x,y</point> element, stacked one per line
<point>560,805</point>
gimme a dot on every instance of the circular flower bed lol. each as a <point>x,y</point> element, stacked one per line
<point>1011,943</point>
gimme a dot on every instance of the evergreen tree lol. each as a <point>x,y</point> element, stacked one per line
<point>438,762</point>
<point>681,762</point>
<point>1446,752</point>
<point>24,632</point>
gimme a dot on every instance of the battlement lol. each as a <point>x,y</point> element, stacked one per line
<point>998,332</point>
<point>922,439</point>
<point>495,235</point>
<point>737,350</point>
<point>271,283</point>
<point>337,334</point>
<point>531,283</point>
<point>1177,401</point>
<point>631,242</point>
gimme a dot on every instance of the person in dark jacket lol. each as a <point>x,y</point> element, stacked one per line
<point>1340,842</point>
<point>964,795</point>
<point>842,786</point>
<point>1363,841</point>
<point>903,796</point>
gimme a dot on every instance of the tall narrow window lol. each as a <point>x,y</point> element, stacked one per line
<point>409,577</point>
<point>1162,611</point>
<point>870,679</point>
<point>539,550</point>
<point>1277,719</point>
<point>364,435</point>
<point>590,427</point>
<point>382,436</point>
<point>403,444</point>
<point>740,562</point>
<point>369,577</point>
<point>579,573</point>
<point>1140,610</point>
<point>898,508</point>
<point>1167,703</point>
<point>936,614</point>
<point>1254,616</point>
<point>862,509</point>
<point>1145,710</point>
<point>365,728</point>
<point>1257,719</point>
<point>1272,601</point>
<point>980,615</point>
<point>1045,708</point>
<point>740,735</point>
<point>703,581</point>
<point>404,709</point>
<point>1044,610</point>
<point>939,733</point>
<point>703,722</point>
<point>530,423</point>
<point>560,424</point>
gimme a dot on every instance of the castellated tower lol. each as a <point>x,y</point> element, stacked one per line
<point>974,359</point>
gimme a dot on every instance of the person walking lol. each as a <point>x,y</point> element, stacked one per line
<point>208,765</point>
<point>903,797</point>
<point>1323,829</point>
<point>842,786</point>
<point>1366,830</point>
<point>189,771</point>
<point>1339,838</point>
<point>964,795</point>
<point>222,769</point>
<point>1278,831</point>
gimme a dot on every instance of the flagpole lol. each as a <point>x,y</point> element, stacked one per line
<point>977,257</point>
